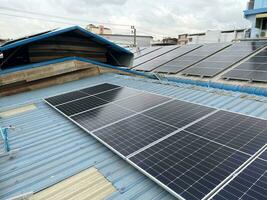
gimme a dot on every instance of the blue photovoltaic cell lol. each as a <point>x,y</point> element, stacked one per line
<point>80,105</point>
<point>254,69</point>
<point>240,132</point>
<point>130,135</point>
<point>224,59</point>
<point>116,94</point>
<point>142,101</point>
<point>99,88</point>
<point>63,98</point>
<point>150,130</point>
<point>153,54</point>
<point>167,57</point>
<point>101,116</point>
<point>178,113</point>
<point>189,165</point>
<point>250,184</point>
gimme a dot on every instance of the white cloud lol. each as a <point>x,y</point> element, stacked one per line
<point>158,17</point>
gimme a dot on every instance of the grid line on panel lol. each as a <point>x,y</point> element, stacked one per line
<point>240,132</point>
<point>101,116</point>
<point>117,94</point>
<point>99,88</point>
<point>223,59</point>
<point>81,105</point>
<point>250,183</point>
<point>141,102</point>
<point>131,134</point>
<point>63,98</point>
<point>178,113</point>
<point>188,161</point>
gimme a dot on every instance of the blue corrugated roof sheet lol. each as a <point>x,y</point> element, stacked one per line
<point>51,148</point>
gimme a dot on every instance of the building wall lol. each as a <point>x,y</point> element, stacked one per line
<point>215,37</point>
<point>128,40</point>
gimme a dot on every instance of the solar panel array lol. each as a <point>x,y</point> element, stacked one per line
<point>145,51</point>
<point>249,184</point>
<point>152,54</point>
<point>187,148</point>
<point>191,58</point>
<point>162,59</point>
<point>224,59</point>
<point>254,69</point>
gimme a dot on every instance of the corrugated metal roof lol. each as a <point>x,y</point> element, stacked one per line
<point>52,148</point>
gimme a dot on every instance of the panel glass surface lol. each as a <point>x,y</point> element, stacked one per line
<point>80,105</point>
<point>101,116</point>
<point>145,52</point>
<point>160,60</point>
<point>178,113</point>
<point>63,98</point>
<point>254,69</point>
<point>117,94</point>
<point>99,88</point>
<point>189,165</point>
<point>240,132</point>
<point>250,184</point>
<point>224,59</point>
<point>130,135</point>
<point>142,101</point>
<point>153,55</point>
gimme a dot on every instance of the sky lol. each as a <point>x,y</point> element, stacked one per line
<point>159,18</point>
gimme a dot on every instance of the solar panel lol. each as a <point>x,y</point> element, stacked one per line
<point>254,69</point>
<point>251,183</point>
<point>145,52</point>
<point>224,59</point>
<point>63,98</point>
<point>178,113</point>
<point>99,88</point>
<point>142,101</point>
<point>80,105</point>
<point>187,165</point>
<point>189,149</point>
<point>101,116</point>
<point>152,55</point>
<point>191,58</point>
<point>132,134</point>
<point>117,94</point>
<point>163,59</point>
<point>240,132</point>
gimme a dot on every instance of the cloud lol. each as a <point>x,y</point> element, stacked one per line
<point>157,17</point>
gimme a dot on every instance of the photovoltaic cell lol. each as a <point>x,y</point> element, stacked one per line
<point>63,98</point>
<point>142,101</point>
<point>240,132</point>
<point>175,142</point>
<point>189,165</point>
<point>80,105</point>
<point>117,94</point>
<point>250,184</point>
<point>152,55</point>
<point>191,58</point>
<point>145,52</point>
<point>254,69</point>
<point>99,88</point>
<point>132,134</point>
<point>163,59</point>
<point>178,113</point>
<point>224,59</point>
<point>101,116</point>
